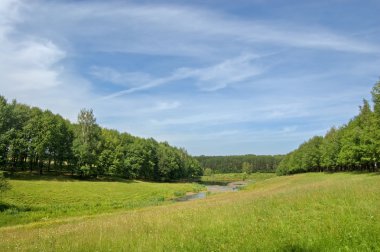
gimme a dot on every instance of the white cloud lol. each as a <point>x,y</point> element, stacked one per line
<point>144,86</point>
<point>30,65</point>
<point>27,63</point>
<point>9,11</point>
<point>126,79</point>
<point>209,78</point>
<point>221,75</point>
<point>167,105</point>
<point>175,30</point>
<point>222,113</point>
<point>31,68</point>
<point>47,45</point>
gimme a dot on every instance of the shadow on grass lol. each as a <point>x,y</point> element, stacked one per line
<point>375,173</point>
<point>296,248</point>
<point>220,183</point>
<point>5,207</point>
<point>371,173</point>
<point>364,172</point>
<point>52,176</point>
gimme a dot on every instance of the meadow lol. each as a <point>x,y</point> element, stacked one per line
<point>47,198</point>
<point>231,177</point>
<point>305,212</point>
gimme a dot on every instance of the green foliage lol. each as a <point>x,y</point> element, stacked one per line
<point>354,146</point>
<point>330,149</point>
<point>4,184</point>
<point>244,176</point>
<point>208,172</point>
<point>42,141</point>
<point>376,98</point>
<point>234,164</point>
<point>246,168</point>
<point>86,142</point>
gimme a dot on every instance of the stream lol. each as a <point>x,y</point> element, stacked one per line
<point>213,188</point>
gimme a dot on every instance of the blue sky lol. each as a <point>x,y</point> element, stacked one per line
<point>216,77</point>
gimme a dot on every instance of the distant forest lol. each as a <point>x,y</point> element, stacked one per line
<point>240,163</point>
<point>354,146</point>
<point>39,141</point>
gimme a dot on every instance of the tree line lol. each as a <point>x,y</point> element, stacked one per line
<point>240,163</point>
<point>39,141</point>
<point>354,146</point>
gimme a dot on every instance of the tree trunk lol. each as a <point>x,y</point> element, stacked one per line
<point>31,164</point>
<point>48,169</point>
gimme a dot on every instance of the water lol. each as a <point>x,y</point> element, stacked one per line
<point>219,188</point>
<point>213,188</point>
<point>200,195</point>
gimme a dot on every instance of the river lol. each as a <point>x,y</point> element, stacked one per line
<point>214,188</point>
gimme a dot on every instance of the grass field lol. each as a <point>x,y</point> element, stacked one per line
<point>47,199</point>
<point>231,177</point>
<point>306,212</point>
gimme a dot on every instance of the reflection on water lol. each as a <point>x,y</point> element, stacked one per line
<point>219,188</point>
<point>231,187</point>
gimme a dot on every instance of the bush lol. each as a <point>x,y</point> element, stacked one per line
<point>4,184</point>
<point>208,172</point>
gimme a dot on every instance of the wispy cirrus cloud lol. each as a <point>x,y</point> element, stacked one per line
<point>189,72</point>
<point>176,30</point>
<point>210,78</point>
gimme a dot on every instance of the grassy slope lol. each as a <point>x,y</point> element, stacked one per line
<point>230,177</point>
<point>36,200</point>
<point>307,212</point>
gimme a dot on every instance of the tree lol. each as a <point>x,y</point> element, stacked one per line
<point>246,167</point>
<point>106,161</point>
<point>367,145</point>
<point>354,146</point>
<point>111,153</point>
<point>330,149</point>
<point>17,144</point>
<point>86,142</point>
<point>311,156</point>
<point>48,142</point>
<point>191,166</point>
<point>5,125</point>
<point>63,143</point>
<point>244,176</point>
<point>376,98</point>
<point>229,164</point>
<point>375,126</point>
<point>169,162</point>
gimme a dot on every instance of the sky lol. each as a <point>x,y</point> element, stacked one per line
<point>215,77</point>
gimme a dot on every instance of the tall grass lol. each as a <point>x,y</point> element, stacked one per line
<point>44,200</point>
<point>307,212</point>
<point>231,177</point>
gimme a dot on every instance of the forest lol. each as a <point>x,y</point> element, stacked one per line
<point>39,141</point>
<point>354,146</point>
<point>240,163</point>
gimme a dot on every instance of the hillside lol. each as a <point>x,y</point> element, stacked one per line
<point>307,212</point>
<point>45,199</point>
